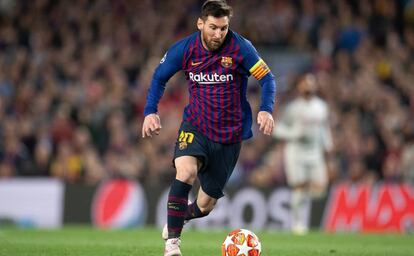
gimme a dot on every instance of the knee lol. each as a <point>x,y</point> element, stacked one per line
<point>186,172</point>
<point>207,207</point>
<point>299,186</point>
<point>318,191</point>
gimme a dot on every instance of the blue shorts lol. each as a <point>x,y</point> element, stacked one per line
<point>218,160</point>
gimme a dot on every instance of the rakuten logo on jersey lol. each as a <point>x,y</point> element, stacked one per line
<point>214,78</point>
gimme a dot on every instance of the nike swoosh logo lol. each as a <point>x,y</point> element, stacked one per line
<point>196,63</point>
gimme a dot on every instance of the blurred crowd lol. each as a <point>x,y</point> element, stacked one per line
<point>74,76</point>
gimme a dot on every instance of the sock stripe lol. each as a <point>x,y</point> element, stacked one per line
<point>177,199</point>
<point>176,213</point>
<point>174,229</point>
<point>177,207</point>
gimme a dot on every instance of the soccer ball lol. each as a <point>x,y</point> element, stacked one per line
<point>241,242</point>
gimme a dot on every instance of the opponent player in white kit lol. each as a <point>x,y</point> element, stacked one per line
<point>305,129</point>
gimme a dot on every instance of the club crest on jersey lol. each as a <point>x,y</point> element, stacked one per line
<point>226,62</point>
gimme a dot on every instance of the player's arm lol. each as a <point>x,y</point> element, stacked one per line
<point>288,128</point>
<point>259,70</point>
<point>170,64</point>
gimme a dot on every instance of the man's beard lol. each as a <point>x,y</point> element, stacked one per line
<point>308,95</point>
<point>213,45</point>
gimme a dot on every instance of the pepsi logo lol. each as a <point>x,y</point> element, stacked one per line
<point>119,203</point>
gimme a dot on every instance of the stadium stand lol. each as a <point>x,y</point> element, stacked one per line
<point>73,75</point>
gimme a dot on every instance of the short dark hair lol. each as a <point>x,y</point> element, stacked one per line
<point>216,8</point>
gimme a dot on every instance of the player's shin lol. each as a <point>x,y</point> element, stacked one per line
<point>177,207</point>
<point>298,200</point>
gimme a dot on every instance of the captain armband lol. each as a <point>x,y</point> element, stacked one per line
<point>259,70</point>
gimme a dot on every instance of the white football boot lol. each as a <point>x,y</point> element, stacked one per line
<point>172,247</point>
<point>300,229</point>
<point>164,233</point>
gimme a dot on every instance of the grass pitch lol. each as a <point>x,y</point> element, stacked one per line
<point>86,241</point>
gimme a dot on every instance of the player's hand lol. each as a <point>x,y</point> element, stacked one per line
<point>265,122</point>
<point>151,125</point>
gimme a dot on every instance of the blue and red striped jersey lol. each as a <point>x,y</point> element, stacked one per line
<point>217,80</point>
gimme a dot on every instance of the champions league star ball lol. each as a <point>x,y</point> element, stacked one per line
<point>241,242</point>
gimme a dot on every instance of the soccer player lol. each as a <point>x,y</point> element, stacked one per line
<point>305,128</point>
<point>217,63</point>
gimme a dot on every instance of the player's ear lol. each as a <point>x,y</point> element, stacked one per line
<point>200,23</point>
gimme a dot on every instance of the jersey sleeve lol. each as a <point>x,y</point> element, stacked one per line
<point>259,70</point>
<point>170,64</point>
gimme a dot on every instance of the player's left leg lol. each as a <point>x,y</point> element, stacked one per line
<point>201,207</point>
<point>313,188</point>
<point>222,159</point>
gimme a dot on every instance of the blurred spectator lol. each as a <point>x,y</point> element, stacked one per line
<point>67,164</point>
<point>304,128</point>
<point>407,162</point>
<point>73,74</point>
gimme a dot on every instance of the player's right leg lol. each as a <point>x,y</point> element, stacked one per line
<point>201,207</point>
<point>186,167</point>
<point>297,204</point>
<point>172,247</point>
<point>190,157</point>
<point>297,181</point>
